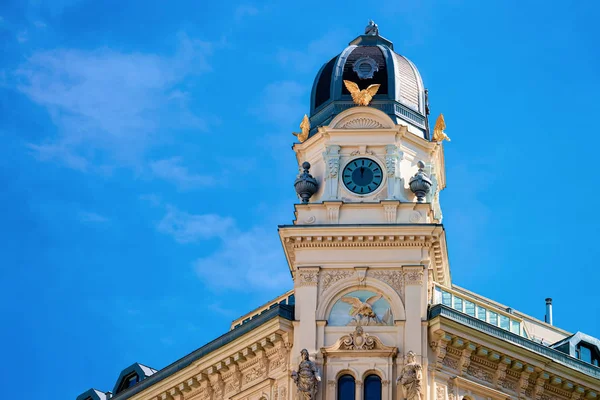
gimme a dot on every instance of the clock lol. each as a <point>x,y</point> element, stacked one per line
<point>362,176</point>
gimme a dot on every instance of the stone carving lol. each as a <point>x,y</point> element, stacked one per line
<point>283,393</point>
<point>507,385</point>
<point>305,184</point>
<point>411,378</point>
<point>253,374</point>
<point>362,123</point>
<point>413,277</point>
<point>365,67</point>
<point>415,217</point>
<point>358,340</point>
<point>307,378</point>
<point>440,392</point>
<point>308,277</point>
<point>480,374</point>
<point>393,278</point>
<point>450,363</point>
<point>451,389</point>
<point>310,220</point>
<point>331,277</point>
<point>390,163</point>
<point>362,313</point>
<point>390,210</point>
<point>334,166</point>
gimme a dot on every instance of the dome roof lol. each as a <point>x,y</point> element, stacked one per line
<point>370,59</point>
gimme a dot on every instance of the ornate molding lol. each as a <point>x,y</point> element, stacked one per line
<point>328,277</point>
<point>393,278</point>
<point>307,277</point>
<point>413,275</point>
<point>362,123</point>
<point>359,341</point>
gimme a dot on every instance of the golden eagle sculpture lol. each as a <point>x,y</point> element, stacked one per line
<point>364,310</point>
<point>305,129</point>
<point>438,130</point>
<point>361,97</point>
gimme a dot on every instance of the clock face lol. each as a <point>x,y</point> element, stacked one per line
<point>362,175</point>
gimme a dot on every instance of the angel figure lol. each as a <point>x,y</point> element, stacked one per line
<point>438,130</point>
<point>360,310</point>
<point>305,129</point>
<point>361,97</point>
<point>307,378</point>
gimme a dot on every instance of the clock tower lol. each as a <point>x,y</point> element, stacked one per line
<point>368,228</point>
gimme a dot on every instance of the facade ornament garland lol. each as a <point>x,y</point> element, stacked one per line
<point>413,276</point>
<point>393,278</point>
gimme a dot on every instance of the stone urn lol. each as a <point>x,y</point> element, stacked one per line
<point>420,184</point>
<point>305,184</point>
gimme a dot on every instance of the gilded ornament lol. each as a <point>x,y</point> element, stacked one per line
<point>438,130</point>
<point>361,97</point>
<point>305,129</point>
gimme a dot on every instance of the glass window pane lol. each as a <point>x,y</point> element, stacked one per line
<point>481,313</point>
<point>504,322</point>
<point>515,327</point>
<point>470,308</point>
<point>437,297</point>
<point>446,299</point>
<point>345,389</point>
<point>493,318</point>
<point>585,354</point>
<point>458,303</point>
<point>372,390</point>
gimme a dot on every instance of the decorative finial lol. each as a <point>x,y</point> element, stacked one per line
<point>305,184</point>
<point>305,129</point>
<point>361,97</point>
<point>420,184</point>
<point>372,29</point>
<point>438,130</point>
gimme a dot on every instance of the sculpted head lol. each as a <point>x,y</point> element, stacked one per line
<point>304,354</point>
<point>410,357</point>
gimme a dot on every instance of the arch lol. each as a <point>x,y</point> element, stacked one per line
<point>372,389</point>
<point>370,117</point>
<point>347,371</point>
<point>340,288</point>
<point>346,387</point>
<point>374,371</point>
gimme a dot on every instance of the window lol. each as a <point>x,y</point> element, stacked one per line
<point>438,295</point>
<point>469,308</point>
<point>132,380</point>
<point>346,388</point>
<point>446,299</point>
<point>493,318</point>
<point>481,313</point>
<point>372,388</point>
<point>515,327</point>
<point>587,353</point>
<point>458,303</point>
<point>504,322</point>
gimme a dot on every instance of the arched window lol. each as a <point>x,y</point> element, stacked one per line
<point>372,388</point>
<point>346,388</point>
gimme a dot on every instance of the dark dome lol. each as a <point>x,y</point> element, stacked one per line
<point>370,59</point>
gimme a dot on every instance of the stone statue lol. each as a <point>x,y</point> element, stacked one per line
<point>410,378</point>
<point>306,378</point>
<point>372,29</point>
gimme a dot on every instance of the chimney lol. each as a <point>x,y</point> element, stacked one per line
<point>548,318</point>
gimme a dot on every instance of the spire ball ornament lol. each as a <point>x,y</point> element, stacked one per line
<point>420,184</point>
<point>305,184</point>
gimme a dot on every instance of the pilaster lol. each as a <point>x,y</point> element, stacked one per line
<point>305,288</point>
<point>414,286</point>
<point>332,167</point>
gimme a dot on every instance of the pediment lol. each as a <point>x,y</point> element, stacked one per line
<point>362,118</point>
<point>359,342</point>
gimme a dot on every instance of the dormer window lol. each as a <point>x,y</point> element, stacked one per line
<point>587,353</point>
<point>128,381</point>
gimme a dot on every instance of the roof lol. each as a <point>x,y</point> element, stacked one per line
<point>282,311</point>
<point>93,394</point>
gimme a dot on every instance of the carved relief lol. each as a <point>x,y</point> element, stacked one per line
<point>361,307</point>
<point>308,277</point>
<point>450,362</point>
<point>440,392</point>
<point>358,340</point>
<point>362,123</point>
<point>328,278</point>
<point>393,278</point>
<point>413,277</point>
<point>411,378</point>
<point>480,374</point>
<point>391,210</point>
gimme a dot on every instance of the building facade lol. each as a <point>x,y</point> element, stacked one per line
<point>373,303</point>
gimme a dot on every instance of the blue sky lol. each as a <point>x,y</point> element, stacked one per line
<point>145,146</point>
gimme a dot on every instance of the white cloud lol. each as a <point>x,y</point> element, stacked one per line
<point>189,228</point>
<point>173,171</point>
<point>107,103</point>
<point>242,260</point>
<point>91,217</point>
<point>246,260</point>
